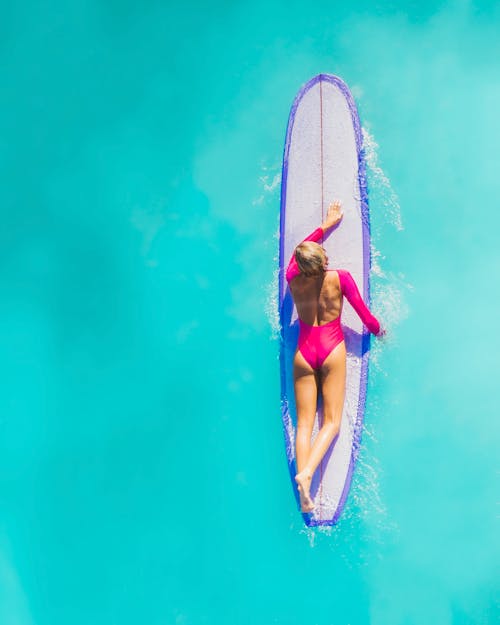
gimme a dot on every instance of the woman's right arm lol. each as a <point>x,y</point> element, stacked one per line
<point>351,291</point>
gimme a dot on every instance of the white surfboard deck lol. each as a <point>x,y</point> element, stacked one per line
<point>323,160</point>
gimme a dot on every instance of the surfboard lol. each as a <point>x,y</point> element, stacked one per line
<point>323,160</point>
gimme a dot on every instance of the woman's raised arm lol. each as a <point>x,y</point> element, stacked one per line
<point>333,216</point>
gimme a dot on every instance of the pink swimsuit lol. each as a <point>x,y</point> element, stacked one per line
<point>316,342</point>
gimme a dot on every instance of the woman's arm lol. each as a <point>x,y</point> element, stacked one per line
<point>351,291</point>
<point>333,216</point>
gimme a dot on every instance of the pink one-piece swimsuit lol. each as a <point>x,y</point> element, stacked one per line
<point>316,342</point>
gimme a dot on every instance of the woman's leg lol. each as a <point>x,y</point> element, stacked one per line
<point>306,397</point>
<point>333,372</point>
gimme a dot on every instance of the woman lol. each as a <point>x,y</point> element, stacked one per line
<point>320,358</point>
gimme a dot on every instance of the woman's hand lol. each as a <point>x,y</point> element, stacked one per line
<point>334,215</point>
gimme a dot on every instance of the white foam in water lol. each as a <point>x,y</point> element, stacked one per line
<point>380,182</point>
<point>267,185</point>
<point>272,308</point>
<point>270,181</point>
<point>387,294</point>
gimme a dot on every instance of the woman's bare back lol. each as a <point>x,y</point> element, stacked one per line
<point>318,298</point>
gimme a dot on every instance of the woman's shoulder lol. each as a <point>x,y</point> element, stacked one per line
<point>336,271</point>
<point>342,275</point>
<point>340,272</point>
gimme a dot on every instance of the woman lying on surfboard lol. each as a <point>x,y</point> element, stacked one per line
<point>320,358</point>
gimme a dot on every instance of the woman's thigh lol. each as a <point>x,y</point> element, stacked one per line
<point>333,378</point>
<point>306,389</point>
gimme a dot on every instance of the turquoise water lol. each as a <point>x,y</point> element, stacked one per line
<point>143,472</point>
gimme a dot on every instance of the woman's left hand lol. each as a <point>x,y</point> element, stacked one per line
<point>334,215</point>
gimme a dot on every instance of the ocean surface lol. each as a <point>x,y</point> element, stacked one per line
<point>143,476</point>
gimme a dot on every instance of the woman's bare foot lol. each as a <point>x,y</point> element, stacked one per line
<point>303,480</point>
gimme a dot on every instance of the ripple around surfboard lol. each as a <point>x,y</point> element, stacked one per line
<point>323,160</point>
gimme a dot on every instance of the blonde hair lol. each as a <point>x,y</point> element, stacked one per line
<point>310,258</point>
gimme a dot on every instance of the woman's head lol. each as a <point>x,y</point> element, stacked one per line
<point>311,258</point>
